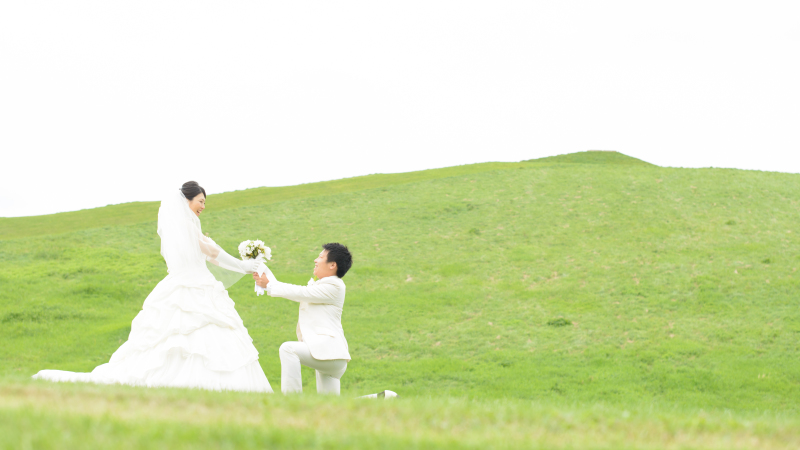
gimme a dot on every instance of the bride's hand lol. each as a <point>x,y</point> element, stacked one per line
<point>250,265</point>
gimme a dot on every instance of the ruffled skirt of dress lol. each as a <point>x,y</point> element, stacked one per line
<point>189,335</point>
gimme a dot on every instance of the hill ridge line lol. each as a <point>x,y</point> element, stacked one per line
<point>141,212</point>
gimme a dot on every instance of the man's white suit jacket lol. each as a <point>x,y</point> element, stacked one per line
<point>320,321</point>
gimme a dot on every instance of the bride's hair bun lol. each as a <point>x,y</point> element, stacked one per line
<point>191,189</point>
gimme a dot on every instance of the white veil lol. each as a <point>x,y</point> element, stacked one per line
<point>184,247</point>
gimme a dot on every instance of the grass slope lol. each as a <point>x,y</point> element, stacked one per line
<point>138,212</point>
<point>574,284</point>
<point>592,157</point>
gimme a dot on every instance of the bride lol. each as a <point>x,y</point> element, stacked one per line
<point>188,333</point>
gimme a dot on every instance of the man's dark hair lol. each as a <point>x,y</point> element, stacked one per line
<point>339,254</point>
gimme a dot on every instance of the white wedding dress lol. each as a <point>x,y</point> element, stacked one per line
<point>188,333</point>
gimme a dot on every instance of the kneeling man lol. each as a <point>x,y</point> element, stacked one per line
<point>320,339</point>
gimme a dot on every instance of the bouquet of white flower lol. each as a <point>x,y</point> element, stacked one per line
<point>254,250</point>
<point>258,251</point>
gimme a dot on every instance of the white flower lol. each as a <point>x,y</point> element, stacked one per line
<point>243,250</point>
<point>254,249</point>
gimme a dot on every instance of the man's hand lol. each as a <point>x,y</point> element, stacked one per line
<point>261,280</point>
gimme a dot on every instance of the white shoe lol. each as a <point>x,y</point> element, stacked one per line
<point>384,395</point>
<point>388,394</point>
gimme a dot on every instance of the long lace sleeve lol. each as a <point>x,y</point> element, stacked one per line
<point>210,249</point>
<point>219,257</point>
<point>225,268</point>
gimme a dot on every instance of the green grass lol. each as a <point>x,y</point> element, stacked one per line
<point>138,212</point>
<point>56,416</point>
<point>578,286</point>
<point>592,157</point>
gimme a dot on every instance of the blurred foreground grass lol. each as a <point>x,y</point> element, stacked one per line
<point>51,416</point>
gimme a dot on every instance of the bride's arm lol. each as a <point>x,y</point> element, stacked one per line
<point>219,257</point>
<point>209,248</point>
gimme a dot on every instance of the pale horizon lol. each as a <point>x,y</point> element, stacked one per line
<point>108,103</point>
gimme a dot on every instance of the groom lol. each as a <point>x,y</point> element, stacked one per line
<point>320,339</point>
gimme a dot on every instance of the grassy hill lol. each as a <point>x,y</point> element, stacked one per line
<point>139,212</point>
<point>592,157</point>
<point>524,291</point>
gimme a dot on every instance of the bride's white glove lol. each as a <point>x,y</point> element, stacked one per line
<point>248,266</point>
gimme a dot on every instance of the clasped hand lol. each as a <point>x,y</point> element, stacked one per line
<point>261,280</point>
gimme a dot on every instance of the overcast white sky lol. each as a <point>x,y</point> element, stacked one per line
<point>107,102</point>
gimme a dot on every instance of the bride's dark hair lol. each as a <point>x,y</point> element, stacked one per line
<point>191,189</point>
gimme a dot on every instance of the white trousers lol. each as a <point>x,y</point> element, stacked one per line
<point>293,354</point>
